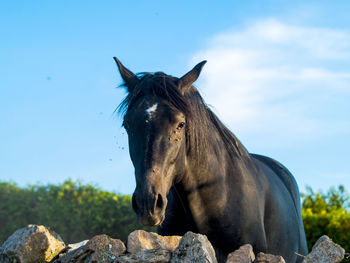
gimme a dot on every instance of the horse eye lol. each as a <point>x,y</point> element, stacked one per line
<point>180,126</point>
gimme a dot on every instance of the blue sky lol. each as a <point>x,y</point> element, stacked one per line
<point>278,74</point>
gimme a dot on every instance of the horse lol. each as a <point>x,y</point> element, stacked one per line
<point>193,174</point>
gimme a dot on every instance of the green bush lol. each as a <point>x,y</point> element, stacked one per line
<point>73,210</point>
<point>327,214</point>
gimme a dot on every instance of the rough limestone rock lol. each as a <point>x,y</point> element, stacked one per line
<point>146,256</point>
<point>99,249</point>
<point>71,251</point>
<point>325,251</point>
<point>194,248</point>
<point>140,240</point>
<point>75,246</point>
<point>104,248</point>
<point>31,244</point>
<point>268,258</point>
<point>244,254</point>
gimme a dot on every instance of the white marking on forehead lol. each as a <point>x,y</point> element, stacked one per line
<point>152,109</point>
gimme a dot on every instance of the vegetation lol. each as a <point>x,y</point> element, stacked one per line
<point>78,212</point>
<point>75,211</point>
<point>327,214</point>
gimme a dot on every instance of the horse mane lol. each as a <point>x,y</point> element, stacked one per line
<point>200,119</point>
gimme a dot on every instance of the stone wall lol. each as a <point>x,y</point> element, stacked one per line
<point>39,244</point>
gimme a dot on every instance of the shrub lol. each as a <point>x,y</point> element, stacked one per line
<point>73,210</point>
<point>327,214</point>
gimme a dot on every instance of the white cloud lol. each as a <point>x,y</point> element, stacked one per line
<point>277,79</point>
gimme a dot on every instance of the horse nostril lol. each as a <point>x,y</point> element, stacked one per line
<point>159,203</point>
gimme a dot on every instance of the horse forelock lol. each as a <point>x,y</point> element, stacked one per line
<point>157,84</point>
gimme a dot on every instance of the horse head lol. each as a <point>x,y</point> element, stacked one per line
<point>156,123</point>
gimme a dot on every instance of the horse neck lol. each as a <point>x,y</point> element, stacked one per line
<point>217,163</point>
<point>221,146</point>
<point>207,185</point>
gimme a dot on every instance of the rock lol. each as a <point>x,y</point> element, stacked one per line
<point>268,258</point>
<point>194,248</point>
<point>99,249</point>
<point>70,251</point>
<point>75,246</point>
<point>244,254</point>
<point>146,256</point>
<point>140,240</point>
<point>325,251</point>
<point>104,249</point>
<point>33,243</point>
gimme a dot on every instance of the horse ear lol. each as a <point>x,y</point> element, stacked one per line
<point>186,81</point>
<point>129,78</point>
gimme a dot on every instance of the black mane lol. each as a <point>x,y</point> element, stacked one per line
<point>200,119</point>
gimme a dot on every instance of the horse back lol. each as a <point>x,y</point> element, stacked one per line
<point>284,175</point>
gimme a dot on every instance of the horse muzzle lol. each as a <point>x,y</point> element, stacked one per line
<point>150,209</point>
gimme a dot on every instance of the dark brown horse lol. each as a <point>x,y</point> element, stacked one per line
<point>193,174</point>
